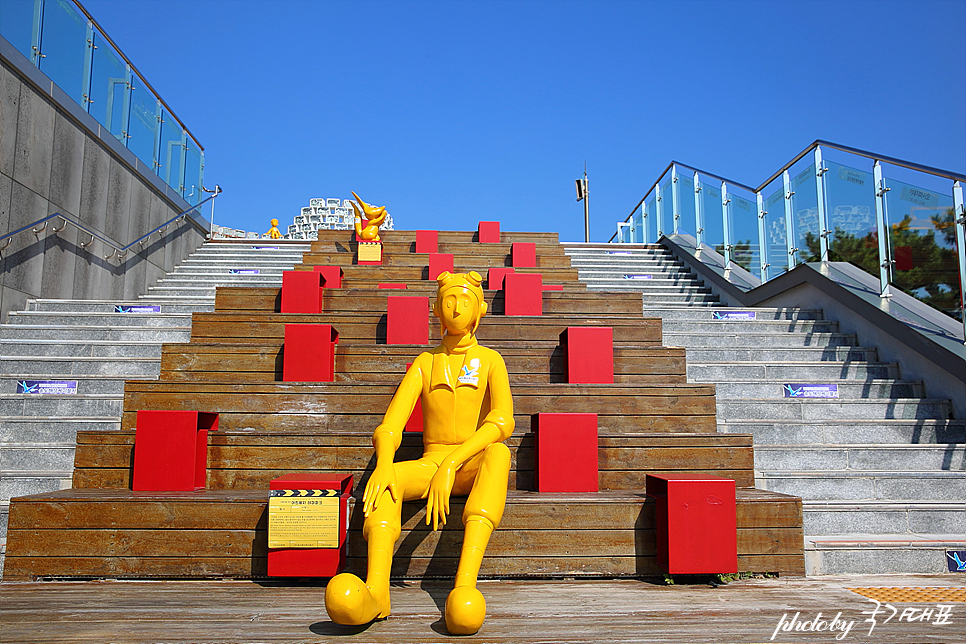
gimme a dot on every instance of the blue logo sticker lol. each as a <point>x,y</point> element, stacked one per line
<point>733,315</point>
<point>136,309</point>
<point>243,271</point>
<point>49,387</point>
<point>810,391</point>
<point>264,247</point>
<point>638,277</point>
<point>618,252</point>
<point>956,560</point>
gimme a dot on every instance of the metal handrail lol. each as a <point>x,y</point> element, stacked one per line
<point>70,220</point>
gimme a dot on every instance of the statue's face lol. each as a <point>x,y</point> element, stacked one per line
<point>275,222</point>
<point>459,311</point>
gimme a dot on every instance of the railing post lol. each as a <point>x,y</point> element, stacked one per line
<point>727,223</point>
<point>762,248</point>
<point>88,68</point>
<point>823,231</point>
<point>630,221</point>
<point>698,216</point>
<point>882,229</point>
<point>789,224</point>
<point>644,222</point>
<point>659,204</point>
<point>126,106</point>
<point>959,217</point>
<point>675,199</point>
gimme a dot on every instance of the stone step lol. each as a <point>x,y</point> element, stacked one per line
<point>663,298</point>
<point>846,389</point>
<point>883,517</point>
<point>619,264</point>
<point>89,318</point>
<point>92,384</point>
<point>180,292</point>
<point>52,429</point>
<point>700,355</point>
<point>107,306</point>
<point>798,371</point>
<point>867,485</point>
<point>200,296</point>
<point>189,288</point>
<point>861,457</point>
<point>830,409</point>
<point>651,287</point>
<point>754,339</point>
<point>55,367</point>
<point>207,272</point>
<point>106,405</point>
<point>17,458</point>
<point>858,554</point>
<point>60,333</point>
<point>82,348</point>
<point>703,314</point>
<point>24,483</point>
<point>727,327</point>
<point>891,431</point>
<point>247,261</point>
<point>652,280</point>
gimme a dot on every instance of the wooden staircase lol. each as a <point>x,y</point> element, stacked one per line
<point>650,420</point>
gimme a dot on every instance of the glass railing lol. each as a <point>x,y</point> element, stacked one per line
<point>902,222</point>
<point>62,40</point>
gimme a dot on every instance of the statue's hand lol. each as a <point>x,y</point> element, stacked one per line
<point>383,478</point>
<point>440,488</point>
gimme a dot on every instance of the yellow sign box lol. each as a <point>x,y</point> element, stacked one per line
<point>303,519</point>
<point>370,251</point>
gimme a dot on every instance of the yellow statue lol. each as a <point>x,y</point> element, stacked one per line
<point>375,216</point>
<point>273,231</point>
<point>467,414</point>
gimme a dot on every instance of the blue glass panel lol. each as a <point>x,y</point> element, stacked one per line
<point>652,223</point>
<point>108,86</point>
<point>637,226</point>
<point>171,152</point>
<point>776,248</point>
<point>850,208</point>
<point>713,233</point>
<point>686,224</point>
<point>192,173</point>
<point>665,222</point>
<point>63,45</point>
<point>743,223</point>
<point>143,127</point>
<point>922,233</point>
<point>805,214</point>
<point>17,24</point>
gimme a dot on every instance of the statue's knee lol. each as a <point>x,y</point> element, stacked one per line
<point>374,525</point>
<point>497,455</point>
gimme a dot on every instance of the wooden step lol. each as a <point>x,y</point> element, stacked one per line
<point>444,236</point>
<point>239,459</point>
<point>464,260</point>
<point>222,533</point>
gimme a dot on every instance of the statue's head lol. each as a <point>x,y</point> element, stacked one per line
<point>275,222</point>
<point>459,301</point>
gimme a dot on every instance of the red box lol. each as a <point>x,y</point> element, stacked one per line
<point>488,232</point>
<point>391,286</point>
<point>439,263</point>
<point>415,422</point>
<point>590,354</point>
<point>171,450</point>
<point>309,353</point>
<point>495,276</point>
<point>553,287</point>
<point>407,320</point>
<point>313,562</point>
<point>427,241</point>
<point>524,254</point>
<point>696,523</point>
<point>331,276</point>
<point>301,292</point>
<point>566,453</point>
<point>523,294</point>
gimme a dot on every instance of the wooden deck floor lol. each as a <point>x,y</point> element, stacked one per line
<point>518,611</point>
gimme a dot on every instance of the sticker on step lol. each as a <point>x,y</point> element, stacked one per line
<point>956,560</point>
<point>631,276</point>
<point>733,315</point>
<point>243,271</point>
<point>136,309</point>
<point>264,247</point>
<point>618,252</point>
<point>63,387</point>
<point>811,391</point>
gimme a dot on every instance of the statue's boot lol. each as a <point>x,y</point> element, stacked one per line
<point>351,602</point>
<point>465,606</point>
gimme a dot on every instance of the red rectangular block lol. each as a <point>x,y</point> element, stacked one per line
<point>415,422</point>
<point>171,450</point>
<point>524,254</point>
<point>309,353</point>
<point>396,285</point>
<point>427,241</point>
<point>696,523</point>
<point>553,287</point>
<point>439,263</point>
<point>495,276</point>
<point>313,562</point>
<point>331,276</point>
<point>407,320</point>
<point>590,354</point>
<point>488,232</point>
<point>301,292</point>
<point>566,453</point>
<point>523,294</point>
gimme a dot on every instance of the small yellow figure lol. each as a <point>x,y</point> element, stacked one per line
<point>375,216</point>
<point>273,232</point>
<point>467,414</point>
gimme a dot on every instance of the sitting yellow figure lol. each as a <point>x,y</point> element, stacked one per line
<point>273,232</point>
<point>467,414</point>
<point>373,215</point>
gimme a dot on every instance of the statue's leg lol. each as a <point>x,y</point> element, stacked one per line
<point>465,606</point>
<point>347,599</point>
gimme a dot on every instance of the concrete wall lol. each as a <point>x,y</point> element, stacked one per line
<point>55,158</point>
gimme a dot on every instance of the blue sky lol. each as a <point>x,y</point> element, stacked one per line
<point>453,112</point>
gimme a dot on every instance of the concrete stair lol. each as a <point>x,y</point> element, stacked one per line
<point>881,468</point>
<point>88,342</point>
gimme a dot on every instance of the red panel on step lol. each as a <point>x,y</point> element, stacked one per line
<point>523,294</point>
<point>696,524</point>
<point>494,277</point>
<point>427,241</point>
<point>553,287</point>
<point>439,263</point>
<point>301,292</point>
<point>407,320</point>
<point>309,353</point>
<point>395,285</point>
<point>171,450</point>
<point>590,354</point>
<point>566,453</point>
<point>331,276</point>
<point>489,232</point>
<point>524,254</point>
